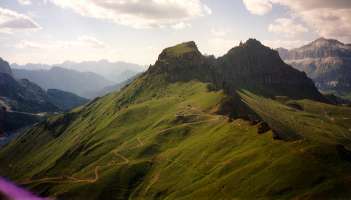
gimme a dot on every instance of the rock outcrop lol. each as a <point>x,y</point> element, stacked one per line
<point>5,67</point>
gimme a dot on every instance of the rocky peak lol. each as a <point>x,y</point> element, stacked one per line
<point>5,67</point>
<point>181,62</point>
<point>252,53</point>
<point>186,50</point>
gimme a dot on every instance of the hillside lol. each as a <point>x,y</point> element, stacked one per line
<point>181,131</point>
<point>64,79</point>
<point>65,100</point>
<point>326,61</point>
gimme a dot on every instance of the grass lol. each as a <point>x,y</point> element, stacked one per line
<point>165,141</point>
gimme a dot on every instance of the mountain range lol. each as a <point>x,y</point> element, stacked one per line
<point>242,126</point>
<point>112,71</point>
<point>22,101</point>
<point>69,80</point>
<point>326,61</point>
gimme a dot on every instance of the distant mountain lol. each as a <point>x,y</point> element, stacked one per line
<point>21,100</point>
<point>113,71</point>
<point>326,61</point>
<point>111,88</point>
<point>65,79</point>
<point>24,96</point>
<point>65,100</point>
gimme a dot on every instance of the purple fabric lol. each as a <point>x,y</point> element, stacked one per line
<point>14,192</point>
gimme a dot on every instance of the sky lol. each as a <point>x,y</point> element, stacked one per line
<point>54,31</point>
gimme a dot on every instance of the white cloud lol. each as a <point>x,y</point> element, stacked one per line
<point>288,44</point>
<point>25,2</point>
<point>328,18</point>
<point>258,7</point>
<point>90,41</point>
<point>56,51</point>
<point>81,42</point>
<point>219,46</point>
<point>181,25</point>
<point>219,32</point>
<point>287,26</point>
<point>11,21</point>
<point>138,13</point>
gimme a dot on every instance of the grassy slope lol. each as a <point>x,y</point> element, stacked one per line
<point>163,141</point>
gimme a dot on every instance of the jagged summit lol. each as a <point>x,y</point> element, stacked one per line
<point>252,43</point>
<point>181,50</point>
<point>255,50</point>
<point>251,65</point>
<point>181,62</point>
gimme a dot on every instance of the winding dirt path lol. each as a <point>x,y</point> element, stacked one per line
<point>97,169</point>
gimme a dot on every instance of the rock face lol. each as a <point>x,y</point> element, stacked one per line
<point>5,67</point>
<point>249,66</point>
<point>327,62</point>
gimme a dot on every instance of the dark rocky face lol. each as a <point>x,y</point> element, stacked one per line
<point>5,67</point>
<point>248,66</point>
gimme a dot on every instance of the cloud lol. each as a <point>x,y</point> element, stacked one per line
<point>11,21</point>
<point>258,7</point>
<point>25,2</point>
<point>90,42</point>
<point>219,32</point>
<point>219,46</point>
<point>181,25</point>
<point>287,26</point>
<point>288,44</point>
<point>81,42</point>
<point>138,13</point>
<point>328,18</point>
